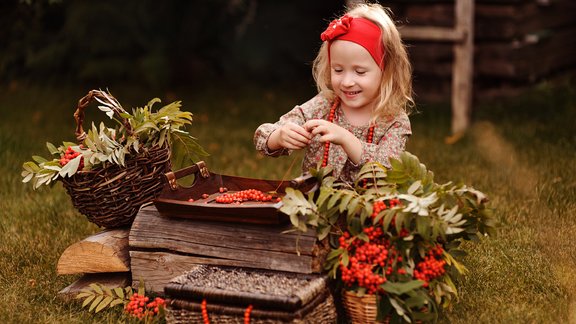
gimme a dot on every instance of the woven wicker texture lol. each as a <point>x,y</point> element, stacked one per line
<point>360,309</point>
<point>322,313</point>
<point>277,297</point>
<point>111,196</point>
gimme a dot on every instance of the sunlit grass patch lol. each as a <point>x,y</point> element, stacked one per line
<point>519,152</point>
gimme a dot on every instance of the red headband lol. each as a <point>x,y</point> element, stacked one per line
<point>358,30</point>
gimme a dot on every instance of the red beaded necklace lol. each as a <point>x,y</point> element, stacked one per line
<point>331,116</point>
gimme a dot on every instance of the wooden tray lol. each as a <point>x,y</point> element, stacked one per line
<point>174,198</point>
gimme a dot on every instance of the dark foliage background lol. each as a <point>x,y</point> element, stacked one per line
<point>160,44</point>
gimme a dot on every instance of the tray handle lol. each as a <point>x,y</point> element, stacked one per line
<point>199,167</point>
<point>304,181</point>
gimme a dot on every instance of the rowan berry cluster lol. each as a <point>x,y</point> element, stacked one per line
<point>243,195</point>
<point>433,266</point>
<point>70,154</point>
<point>380,205</point>
<point>141,307</point>
<point>369,261</point>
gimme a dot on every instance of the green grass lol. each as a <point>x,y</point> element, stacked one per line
<point>519,151</point>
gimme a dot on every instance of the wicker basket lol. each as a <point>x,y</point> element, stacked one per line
<point>111,196</point>
<point>276,297</point>
<point>360,309</point>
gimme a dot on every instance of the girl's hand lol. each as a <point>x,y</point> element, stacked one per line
<point>328,132</point>
<point>291,136</point>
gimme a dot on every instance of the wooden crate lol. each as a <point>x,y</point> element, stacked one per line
<point>162,248</point>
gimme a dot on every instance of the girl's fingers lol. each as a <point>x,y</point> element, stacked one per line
<point>301,131</point>
<point>312,124</point>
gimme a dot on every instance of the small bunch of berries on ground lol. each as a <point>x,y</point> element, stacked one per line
<point>142,307</point>
<point>69,155</point>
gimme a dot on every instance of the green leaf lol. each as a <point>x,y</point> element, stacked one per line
<point>423,226</point>
<point>39,159</point>
<point>116,302</point>
<point>95,302</point>
<point>88,300</point>
<point>353,205</point>
<point>323,232</point>
<point>334,254</point>
<point>97,288</point>
<point>31,167</point>
<point>294,219</point>
<point>345,259</point>
<point>334,199</point>
<point>105,302</point>
<point>399,288</point>
<point>344,203</point>
<point>414,187</point>
<point>119,292</point>
<point>52,149</point>
<point>84,295</point>
<point>153,101</point>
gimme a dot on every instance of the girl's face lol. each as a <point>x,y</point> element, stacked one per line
<point>355,76</point>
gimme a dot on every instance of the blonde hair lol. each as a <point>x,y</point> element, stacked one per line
<point>395,94</point>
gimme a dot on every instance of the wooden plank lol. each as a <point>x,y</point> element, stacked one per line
<point>526,60</point>
<point>216,239</point>
<point>106,251</point>
<point>514,21</point>
<point>431,33</point>
<point>156,269</point>
<point>110,280</point>
<point>463,69</point>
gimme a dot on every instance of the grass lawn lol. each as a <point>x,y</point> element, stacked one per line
<point>520,152</point>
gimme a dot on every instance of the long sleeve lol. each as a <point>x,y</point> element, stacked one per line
<point>313,108</point>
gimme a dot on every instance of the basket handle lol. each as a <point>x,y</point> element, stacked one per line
<point>107,100</point>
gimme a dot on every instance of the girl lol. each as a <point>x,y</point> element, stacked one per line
<point>360,114</point>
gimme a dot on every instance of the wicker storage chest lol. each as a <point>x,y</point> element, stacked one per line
<point>238,295</point>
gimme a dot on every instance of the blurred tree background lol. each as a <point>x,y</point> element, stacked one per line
<point>160,44</point>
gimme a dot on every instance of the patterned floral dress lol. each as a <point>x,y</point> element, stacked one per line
<point>390,137</point>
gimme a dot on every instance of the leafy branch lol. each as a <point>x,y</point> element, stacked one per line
<point>414,216</point>
<point>98,297</point>
<point>102,145</point>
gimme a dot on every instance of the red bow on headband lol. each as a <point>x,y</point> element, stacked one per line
<point>336,28</point>
<point>360,31</point>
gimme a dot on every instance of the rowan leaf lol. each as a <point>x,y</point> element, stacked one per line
<point>95,302</point>
<point>88,300</point>
<point>104,303</point>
